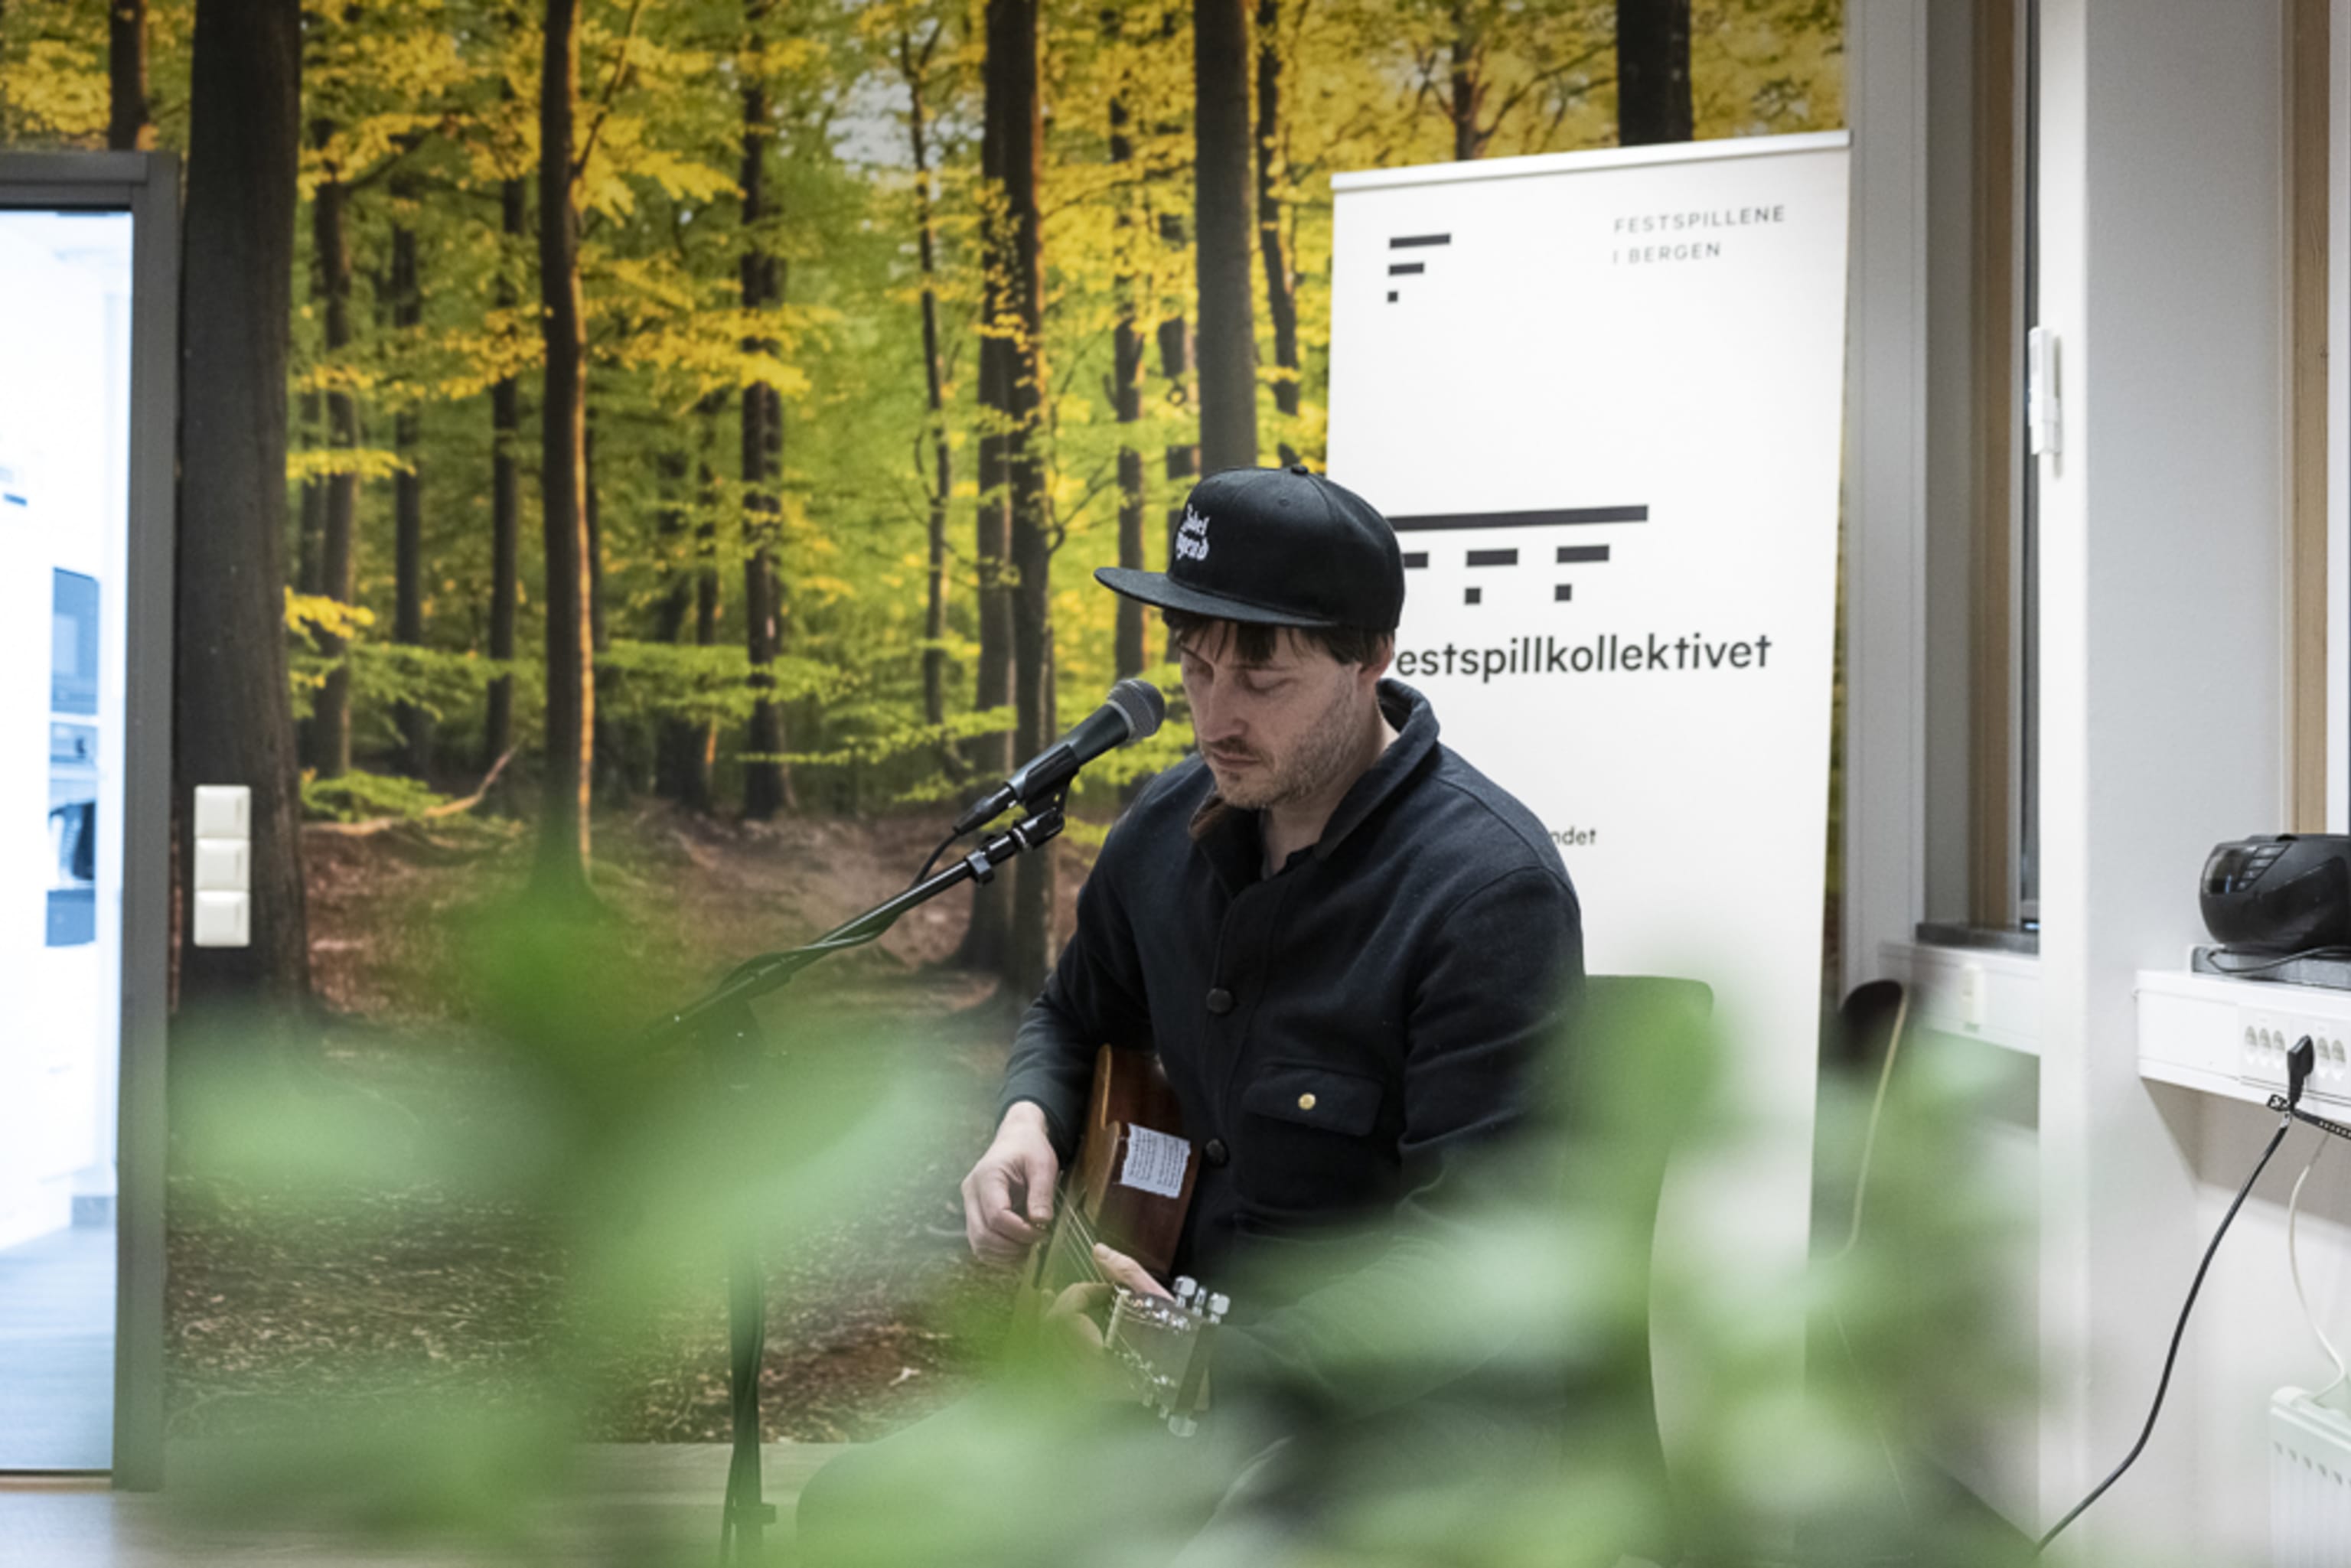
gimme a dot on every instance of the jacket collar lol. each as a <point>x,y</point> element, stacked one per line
<point>1416,743</point>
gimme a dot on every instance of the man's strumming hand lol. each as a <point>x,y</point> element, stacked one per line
<point>1007,1197</point>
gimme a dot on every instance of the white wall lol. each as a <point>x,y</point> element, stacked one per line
<point>2251,1337</point>
<point>2163,643</point>
<point>2161,630</point>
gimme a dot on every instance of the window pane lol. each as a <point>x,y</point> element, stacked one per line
<point>65,316</point>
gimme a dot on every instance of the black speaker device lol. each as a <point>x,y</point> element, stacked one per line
<point>2279,893</point>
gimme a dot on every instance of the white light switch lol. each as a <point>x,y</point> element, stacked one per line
<point>224,810</point>
<point>224,919</point>
<point>224,865</point>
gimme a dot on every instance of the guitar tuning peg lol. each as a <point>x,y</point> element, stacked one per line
<point>1219,1305</point>
<point>1182,1425</point>
<point>1185,1288</point>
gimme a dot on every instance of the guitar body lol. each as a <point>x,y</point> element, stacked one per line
<point>1132,1181</point>
<point>1130,1187</point>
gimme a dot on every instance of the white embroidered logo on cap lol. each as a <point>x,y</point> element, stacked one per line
<point>1192,537</point>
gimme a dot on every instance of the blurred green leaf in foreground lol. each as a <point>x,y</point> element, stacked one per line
<point>643,1167</point>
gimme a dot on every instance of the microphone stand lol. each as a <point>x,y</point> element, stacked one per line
<point>722,1022</point>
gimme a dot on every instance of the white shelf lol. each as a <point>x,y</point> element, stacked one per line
<point>1977,993</point>
<point>2229,1037</point>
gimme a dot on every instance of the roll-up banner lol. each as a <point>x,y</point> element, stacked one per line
<point>1600,396</point>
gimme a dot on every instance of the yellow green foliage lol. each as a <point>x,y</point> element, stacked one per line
<point>359,796</point>
<point>424,109</point>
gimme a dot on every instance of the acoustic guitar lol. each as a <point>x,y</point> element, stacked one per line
<point>1129,1188</point>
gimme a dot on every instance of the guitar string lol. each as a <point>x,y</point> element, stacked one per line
<point>1073,1217</point>
<point>1087,1234</point>
<point>1080,1246</point>
<point>1078,1258</point>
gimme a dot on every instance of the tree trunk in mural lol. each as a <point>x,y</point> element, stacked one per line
<point>674,743</point>
<point>408,489</point>
<point>1653,85</point>
<point>914,65</point>
<point>1126,395</point>
<point>1280,285</point>
<point>506,499</point>
<point>986,940</point>
<point>128,128</point>
<point>563,830</point>
<point>1464,84</point>
<point>329,754</point>
<point>1227,346</point>
<point>767,788</point>
<point>230,715</point>
<point>1016,256</point>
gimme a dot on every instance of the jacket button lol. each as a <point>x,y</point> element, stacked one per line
<point>1220,1001</point>
<point>1214,1152</point>
<point>1306,1102</point>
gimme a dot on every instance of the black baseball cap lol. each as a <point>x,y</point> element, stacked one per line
<point>1281,547</point>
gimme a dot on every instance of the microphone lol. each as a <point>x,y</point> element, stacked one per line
<point>1133,713</point>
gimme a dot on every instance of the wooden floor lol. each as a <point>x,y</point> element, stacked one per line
<point>56,1351</point>
<point>647,1504</point>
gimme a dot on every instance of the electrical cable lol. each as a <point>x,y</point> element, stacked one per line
<point>921,875</point>
<point>811,951</point>
<point>2294,1265</point>
<point>2179,1330</point>
<point>924,875</point>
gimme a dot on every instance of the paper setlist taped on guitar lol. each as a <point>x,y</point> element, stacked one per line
<point>1154,1163</point>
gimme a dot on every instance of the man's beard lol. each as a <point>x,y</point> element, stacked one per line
<point>1321,754</point>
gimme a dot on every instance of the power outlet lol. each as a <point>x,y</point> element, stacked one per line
<point>1971,994</point>
<point>2263,1038</point>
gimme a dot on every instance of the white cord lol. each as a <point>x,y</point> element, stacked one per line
<point>2293,1264</point>
<point>1869,1135</point>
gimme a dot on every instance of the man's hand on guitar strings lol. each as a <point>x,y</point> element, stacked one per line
<point>1070,1321</point>
<point>1007,1197</point>
<point>1073,1311</point>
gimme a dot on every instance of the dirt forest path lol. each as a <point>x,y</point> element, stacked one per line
<point>702,893</point>
<point>875,1319</point>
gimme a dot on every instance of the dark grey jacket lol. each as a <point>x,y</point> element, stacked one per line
<point>1340,1034</point>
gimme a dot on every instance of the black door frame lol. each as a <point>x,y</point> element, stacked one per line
<point>147,186</point>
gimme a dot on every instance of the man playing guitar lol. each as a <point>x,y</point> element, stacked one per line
<point>1345,944</point>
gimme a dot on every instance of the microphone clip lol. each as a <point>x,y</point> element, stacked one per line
<point>1043,824</point>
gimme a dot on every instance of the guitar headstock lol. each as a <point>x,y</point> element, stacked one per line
<point>1161,1345</point>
